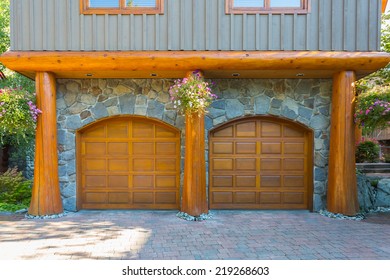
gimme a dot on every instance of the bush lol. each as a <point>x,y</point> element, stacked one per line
<point>15,191</point>
<point>367,151</point>
<point>373,109</point>
<point>18,116</point>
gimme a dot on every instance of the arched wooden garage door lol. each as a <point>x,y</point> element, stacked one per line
<point>260,163</point>
<point>128,162</point>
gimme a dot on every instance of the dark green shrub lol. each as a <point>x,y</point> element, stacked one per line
<point>15,190</point>
<point>367,151</point>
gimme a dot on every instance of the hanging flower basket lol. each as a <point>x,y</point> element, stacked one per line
<point>373,109</point>
<point>192,94</point>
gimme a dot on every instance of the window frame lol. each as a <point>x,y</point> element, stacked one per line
<point>230,9</point>
<point>86,9</point>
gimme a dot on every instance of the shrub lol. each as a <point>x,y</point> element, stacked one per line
<point>373,109</point>
<point>18,116</point>
<point>15,190</point>
<point>367,151</point>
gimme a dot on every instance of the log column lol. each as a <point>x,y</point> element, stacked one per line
<point>46,198</point>
<point>342,189</point>
<point>194,201</point>
<point>194,198</point>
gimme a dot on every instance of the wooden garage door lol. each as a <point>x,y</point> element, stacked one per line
<point>260,163</point>
<point>129,163</point>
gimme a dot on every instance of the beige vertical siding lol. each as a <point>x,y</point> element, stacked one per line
<point>350,25</point>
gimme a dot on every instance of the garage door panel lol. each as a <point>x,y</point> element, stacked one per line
<point>245,197</point>
<point>95,181</point>
<point>223,148</point>
<point>143,130</point>
<point>293,198</point>
<point>269,158</point>
<point>162,132</point>
<point>294,148</point>
<point>143,148</point>
<point>223,164</point>
<point>247,129</point>
<point>118,165</point>
<point>270,129</point>
<point>118,148</point>
<point>248,164</point>
<point>117,130</point>
<point>143,181</point>
<point>270,181</point>
<point>118,181</point>
<point>270,164</point>
<point>166,164</point>
<point>95,148</point>
<point>270,197</point>
<point>143,164</point>
<point>97,198</point>
<point>95,132</point>
<point>166,148</point>
<point>166,198</point>
<point>292,132</point>
<point>222,181</point>
<point>246,181</point>
<point>246,148</point>
<point>94,165</point>
<point>294,164</point>
<point>222,197</point>
<point>117,198</point>
<point>129,162</point>
<point>166,182</point>
<point>143,198</point>
<point>294,181</point>
<point>271,148</point>
<point>225,132</point>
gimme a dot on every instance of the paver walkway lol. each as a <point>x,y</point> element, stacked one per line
<point>227,235</point>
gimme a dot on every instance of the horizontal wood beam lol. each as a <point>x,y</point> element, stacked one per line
<point>130,64</point>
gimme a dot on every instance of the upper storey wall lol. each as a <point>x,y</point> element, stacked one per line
<point>58,25</point>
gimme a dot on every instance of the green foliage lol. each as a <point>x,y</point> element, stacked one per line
<point>367,151</point>
<point>373,109</point>
<point>4,27</point>
<point>18,116</point>
<point>15,80</point>
<point>15,191</point>
<point>387,158</point>
<point>192,94</point>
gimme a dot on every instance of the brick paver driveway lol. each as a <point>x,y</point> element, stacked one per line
<point>227,235</point>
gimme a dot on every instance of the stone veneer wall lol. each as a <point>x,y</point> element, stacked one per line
<point>80,102</point>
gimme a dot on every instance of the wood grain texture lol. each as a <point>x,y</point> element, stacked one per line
<point>261,163</point>
<point>128,162</point>
<point>194,200</point>
<point>46,198</point>
<point>342,189</point>
<point>282,63</point>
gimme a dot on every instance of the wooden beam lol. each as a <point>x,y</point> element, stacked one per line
<point>342,189</point>
<point>133,62</point>
<point>384,5</point>
<point>46,198</point>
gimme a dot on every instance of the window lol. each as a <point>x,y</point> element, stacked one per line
<point>267,6</point>
<point>122,6</point>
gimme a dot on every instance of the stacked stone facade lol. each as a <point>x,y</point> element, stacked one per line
<point>84,101</point>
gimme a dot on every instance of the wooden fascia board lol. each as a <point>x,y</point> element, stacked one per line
<point>177,61</point>
<point>384,5</point>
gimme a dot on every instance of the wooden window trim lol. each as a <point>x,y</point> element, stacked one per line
<point>85,9</point>
<point>304,9</point>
